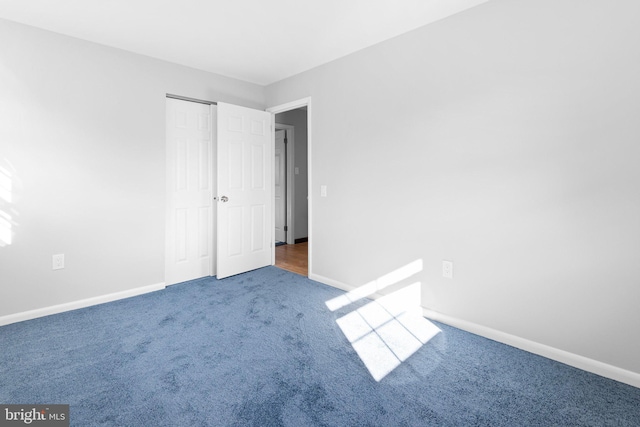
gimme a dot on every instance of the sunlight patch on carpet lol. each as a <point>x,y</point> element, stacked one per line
<point>387,331</point>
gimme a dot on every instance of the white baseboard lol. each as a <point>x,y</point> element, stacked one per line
<point>571,359</point>
<point>74,305</point>
<point>331,282</point>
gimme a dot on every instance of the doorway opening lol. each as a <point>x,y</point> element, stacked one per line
<point>292,201</point>
<point>284,183</point>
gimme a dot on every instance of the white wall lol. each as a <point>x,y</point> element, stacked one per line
<point>506,139</point>
<point>298,119</point>
<point>82,134</point>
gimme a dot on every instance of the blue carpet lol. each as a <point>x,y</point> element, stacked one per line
<point>262,349</point>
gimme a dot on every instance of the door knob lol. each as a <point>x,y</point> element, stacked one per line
<point>224,199</point>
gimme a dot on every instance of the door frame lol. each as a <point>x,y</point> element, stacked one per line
<point>290,147</point>
<point>281,108</point>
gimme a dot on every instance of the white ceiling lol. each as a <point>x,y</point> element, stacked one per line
<point>260,41</point>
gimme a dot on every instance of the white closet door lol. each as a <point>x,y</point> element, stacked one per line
<point>189,239</point>
<point>245,195</point>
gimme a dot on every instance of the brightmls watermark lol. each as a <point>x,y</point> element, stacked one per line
<point>34,415</point>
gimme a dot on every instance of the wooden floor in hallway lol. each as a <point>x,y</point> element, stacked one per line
<point>293,258</point>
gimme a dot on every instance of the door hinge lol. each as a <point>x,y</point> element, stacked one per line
<point>286,228</point>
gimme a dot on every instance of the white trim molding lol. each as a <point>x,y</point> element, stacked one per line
<point>303,102</point>
<point>571,359</point>
<point>290,181</point>
<point>331,282</point>
<point>74,305</point>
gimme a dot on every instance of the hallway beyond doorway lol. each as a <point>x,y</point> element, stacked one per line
<point>293,258</point>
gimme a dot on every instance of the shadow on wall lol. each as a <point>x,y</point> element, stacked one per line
<point>388,330</point>
<point>8,213</point>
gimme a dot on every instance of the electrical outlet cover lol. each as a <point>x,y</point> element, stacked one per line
<point>447,269</point>
<point>58,261</point>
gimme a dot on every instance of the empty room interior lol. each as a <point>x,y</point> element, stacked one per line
<point>466,171</point>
